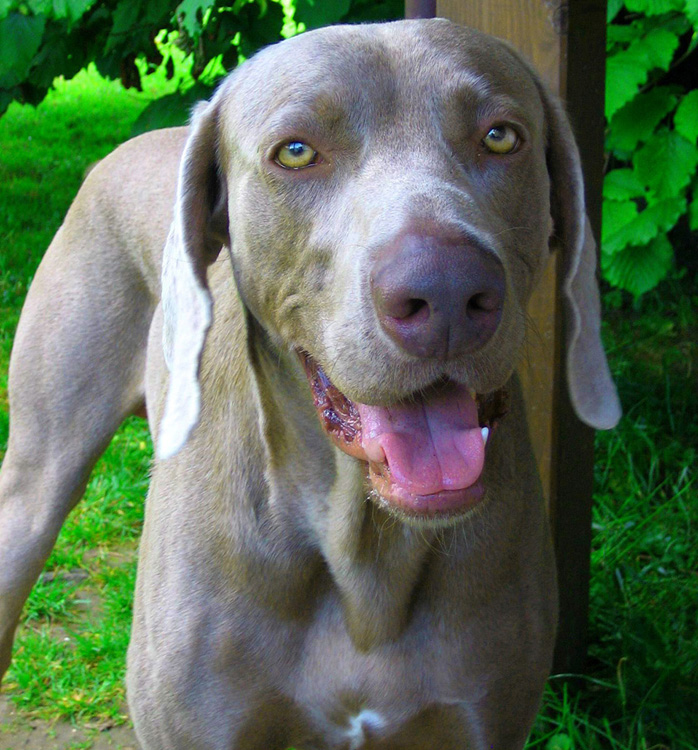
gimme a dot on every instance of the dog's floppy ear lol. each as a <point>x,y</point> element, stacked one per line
<point>198,231</point>
<point>592,390</point>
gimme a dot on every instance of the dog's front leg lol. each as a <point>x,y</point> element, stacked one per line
<point>76,373</point>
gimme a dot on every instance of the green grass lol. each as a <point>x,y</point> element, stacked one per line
<point>69,657</point>
<point>641,687</point>
<point>70,654</point>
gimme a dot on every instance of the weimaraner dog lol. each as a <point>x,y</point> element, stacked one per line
<point>345,545</point>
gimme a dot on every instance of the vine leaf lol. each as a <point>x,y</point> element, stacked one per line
<point>190,13</point>
<point>71,9</point>
<point>624,224</point>
<point>628,69</point>
<point>171,110</point>
<point>691,11</point>
<point>686,117</point>
<point>20,37</point>
<point>653,7</point>
<point>612,9</point>
<point>693,207</point>
<point>693,212</point>
<point>622,185</point>
<point>666,163</point>
<point>639,268</point>
<point>314,13</point>
<point>636,121</point>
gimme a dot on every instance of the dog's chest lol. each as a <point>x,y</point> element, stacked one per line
<point>403,696</point>
<point>434,727</point>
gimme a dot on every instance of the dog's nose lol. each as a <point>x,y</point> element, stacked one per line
<point>437,296</point>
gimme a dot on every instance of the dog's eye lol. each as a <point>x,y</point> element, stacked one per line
<point>295,155</point>
<point>501,139</point>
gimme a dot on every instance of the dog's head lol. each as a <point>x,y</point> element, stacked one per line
<point>390,195</point>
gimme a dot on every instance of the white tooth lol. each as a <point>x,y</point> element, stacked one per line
<point>485,434</point>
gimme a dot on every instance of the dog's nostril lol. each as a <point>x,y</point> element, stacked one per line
<point>483,303</point>
<point>405,308</point>
<point>417,307</point>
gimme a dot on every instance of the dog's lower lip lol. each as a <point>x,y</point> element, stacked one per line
<point>437,505</point>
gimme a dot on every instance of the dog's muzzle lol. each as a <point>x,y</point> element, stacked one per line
<point>425,455</point>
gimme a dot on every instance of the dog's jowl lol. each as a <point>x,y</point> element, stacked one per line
<point>319,291</point>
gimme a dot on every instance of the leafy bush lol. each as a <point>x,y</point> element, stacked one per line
<point>652,114</point>
<point>43,39</point>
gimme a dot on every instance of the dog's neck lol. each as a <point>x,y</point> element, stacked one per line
<point>375,562</point>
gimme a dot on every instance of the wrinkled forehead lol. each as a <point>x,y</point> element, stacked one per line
<point>361,71</point>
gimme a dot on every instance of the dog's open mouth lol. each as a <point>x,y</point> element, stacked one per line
<point>425,455</point>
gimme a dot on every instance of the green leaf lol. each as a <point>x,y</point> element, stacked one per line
<point>636,121</point>
<point>664,213</point>
<point>612,9</point>
<point>259,30</point>
<point>693,207</point>
<point>171,110</point>
<point>123,21</point>
<point>624,225</point>
<point>693,213</point>
<point>40,7</point>
<point>639,269</point>
<point>315,13</point>
<point>624,76</point>
<point>71,9</point>
<point>660,45</point>
<point>653,7</point>
<point>560,741</point>
<point>625,34</point>
<point>622,185</point>
<point>362,11</point>
<point>20,37</point>
<point>666,163</point>
<point>691,11</point>
<point>686,117</point>
<point>189,11</point>
<point>628,69</point>
<point>6,99</point>
<point>616,216</point>
<point>6,6</point>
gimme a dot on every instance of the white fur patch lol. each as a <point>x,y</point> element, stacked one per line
<point>358,725</point>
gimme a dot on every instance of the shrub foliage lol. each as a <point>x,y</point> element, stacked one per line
<point>43,39</point>
<point>652,115</point>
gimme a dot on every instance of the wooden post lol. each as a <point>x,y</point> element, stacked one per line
<point>420,8</point>
<point>566,44</point>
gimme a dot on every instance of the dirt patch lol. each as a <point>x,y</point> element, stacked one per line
<point>18,732</point>
<point>24,734</point>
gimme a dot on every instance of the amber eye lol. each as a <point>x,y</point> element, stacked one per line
<point>501,139</point>
<point>296,155</point>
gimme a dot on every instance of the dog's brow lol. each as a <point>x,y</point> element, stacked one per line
<point>470,82</point>
<point>505,107</point>
<point>323,112</point>
<point>483,92</point>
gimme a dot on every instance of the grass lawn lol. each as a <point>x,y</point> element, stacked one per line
<point>641,689</point>
<point>70,654</point>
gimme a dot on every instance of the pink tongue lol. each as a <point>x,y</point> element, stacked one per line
<point>429,447</point>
